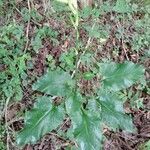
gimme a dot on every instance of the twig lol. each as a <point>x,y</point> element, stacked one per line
<point>7,128</point>
<point>6,123</point>
<point>65,144</point>
<point>123,47</point>
<point>122,43</point>
<point>28,26</point>
<point>67,119</point>
<point>10,140</point>
<point>45,5</point>
<point>56,135</point>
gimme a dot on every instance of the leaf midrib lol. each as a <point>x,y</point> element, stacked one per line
<point>41,118</point>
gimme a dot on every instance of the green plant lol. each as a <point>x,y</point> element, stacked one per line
<point>13,59</point>
<point>88,114</point>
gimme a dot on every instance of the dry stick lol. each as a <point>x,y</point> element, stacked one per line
<point>28,26</point>
<point>10,140</point>
<point>65,144</point>
<point>6,123</point>
<point>67,119</point>
<point>123,46</point>
<point>46,5</point>
<point>122,43</point>
<point>7,128</point>
<point>79,61</point>
<point>58,136</point>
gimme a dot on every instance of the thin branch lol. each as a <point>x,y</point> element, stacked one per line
<point>67,119</point>
<point>124,49</point>
<point>6,123</point>
<point>28,26</point>
<point>122,43</point>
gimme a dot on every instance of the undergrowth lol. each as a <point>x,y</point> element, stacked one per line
<point>78,83</point>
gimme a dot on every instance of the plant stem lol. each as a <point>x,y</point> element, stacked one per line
<point>78,59</point>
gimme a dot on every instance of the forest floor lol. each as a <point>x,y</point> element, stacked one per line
<point>37,33</point>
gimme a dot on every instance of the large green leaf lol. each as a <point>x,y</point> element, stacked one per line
<point>120,76</point>
<point>85,125</point>
<point>54,83</point>
<point>73,104</point>
<point>94,107</point>
<point>43,118</point>
<point>73,109</point>
<point>112,112</point>
<point>87,131</point>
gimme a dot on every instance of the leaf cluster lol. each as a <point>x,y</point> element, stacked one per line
<point>12,61</point>
<point>88,114</point>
